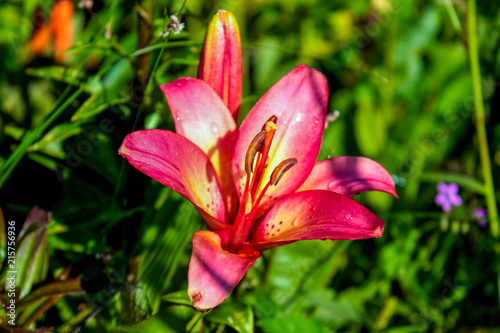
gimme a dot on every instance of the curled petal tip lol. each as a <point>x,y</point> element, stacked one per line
<point>349,175</point>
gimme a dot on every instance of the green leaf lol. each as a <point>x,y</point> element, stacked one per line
<point>58,73</point>
<point>292,324</point>
<point>3,237</point>
<point>47,162</point>
<point>97,103</point>
<point>366,119</point>
<point>160,260</point>
<point>51,143</point>
<point>178,297</point>
<point>51,290</point>
<point>32,253</point>
<point>237,315</point>
<point>334,311</point>
<point>171,319</point>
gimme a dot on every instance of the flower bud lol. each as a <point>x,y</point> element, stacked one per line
<point>220,63</point>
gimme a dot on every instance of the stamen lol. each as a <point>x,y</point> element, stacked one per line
<point>280,170</point>
<point>276,176</point>
<point>255,146</point>
<point>260,146</point>
<point>269,129</point>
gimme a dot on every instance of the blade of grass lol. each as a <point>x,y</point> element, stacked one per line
<point>462,180</point>
<point>491,203</point>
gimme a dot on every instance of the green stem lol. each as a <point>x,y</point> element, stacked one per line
<point>480,122</point>
<point>453,16</point>
<point>481,129</point>
<point>148,84</point>
<point>32,136</point>
<point>462,180</point>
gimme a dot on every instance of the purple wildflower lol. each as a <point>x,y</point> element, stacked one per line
<point>480,214</point>
<point>447,196</point>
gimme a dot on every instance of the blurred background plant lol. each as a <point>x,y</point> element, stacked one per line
<point>401,77</point>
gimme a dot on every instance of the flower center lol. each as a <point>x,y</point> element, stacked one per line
<point>256,163</point>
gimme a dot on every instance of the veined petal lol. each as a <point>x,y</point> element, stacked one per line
<point>220,62</point>
<point>179,164</point>
<point>213,272</point>
<point>349,175</point>
<point>201,116</point>
<point>299,100</point>
<point>315,215</point>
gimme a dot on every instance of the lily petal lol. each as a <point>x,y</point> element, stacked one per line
<point>299,100</point>
<point>213,272</point>
<point>220,62</point>
<point>349,175</point>
<point>315,215</point>
<point>179,164</point>
<point>201,116</point>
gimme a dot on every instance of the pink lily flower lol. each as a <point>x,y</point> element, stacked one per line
<point>268,165</point>
<point>257,186</point>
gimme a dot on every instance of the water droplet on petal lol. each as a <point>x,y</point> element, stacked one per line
<point>178,119</point>
<point>348,216</point>
<point>214,128</point>
<point>332,186</point>
<point>295,223</point>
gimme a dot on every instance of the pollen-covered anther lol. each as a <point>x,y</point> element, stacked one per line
<point>270,126</point>
<point>272,119</point>
<point>255,147</point>
<point>280,170</point>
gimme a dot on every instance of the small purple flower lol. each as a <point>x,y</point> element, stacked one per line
<point>447,196</point>
<point>480,214</point>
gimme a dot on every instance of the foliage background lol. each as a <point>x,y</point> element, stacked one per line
<point>399,74</point>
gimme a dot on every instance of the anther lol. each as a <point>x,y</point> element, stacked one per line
<point>272,119</point>
<point>280,170</point>
<point>255,146</point>
<point>270,126</point>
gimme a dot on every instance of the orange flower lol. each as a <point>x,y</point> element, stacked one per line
<point>59,30</point>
